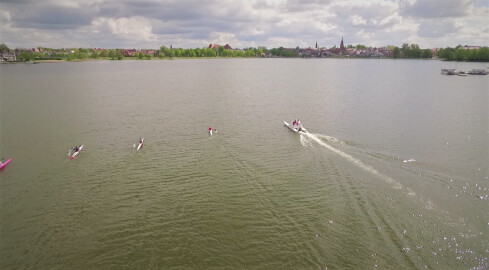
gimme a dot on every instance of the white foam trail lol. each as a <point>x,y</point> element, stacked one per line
<point>355,161</point>
<point>329,138</point>
<point>305,141</point>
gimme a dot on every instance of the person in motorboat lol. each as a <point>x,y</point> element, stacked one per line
<point>294,123</point>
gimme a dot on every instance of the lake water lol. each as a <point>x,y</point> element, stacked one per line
<point>254,195</point>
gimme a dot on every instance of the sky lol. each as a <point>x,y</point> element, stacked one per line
<point>146,24</point>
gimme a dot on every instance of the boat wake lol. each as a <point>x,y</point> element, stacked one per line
<point>319,140</point>
<point>305,141</point>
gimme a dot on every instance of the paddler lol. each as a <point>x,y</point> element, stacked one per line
<point>76,149</point>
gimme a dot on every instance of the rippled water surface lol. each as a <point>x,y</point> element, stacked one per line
<point>393,173</point>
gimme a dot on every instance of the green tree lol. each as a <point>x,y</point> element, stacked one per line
<point>111,54</point>
<point>220,50</point>
<point>259,52</point>
<point>250,53</point>
<point>198,52</point>
<point>415,52</point>
<point>207,52</point>
<point>166,51</point>
<point>119,55</point>
<point>240,53</point>
<point>483,54</point>
<point>460,54</point>
<point>426,53</point>
<point>70,57</point>
<point>396,52</point>
<point>24,56</point>
<point>4,48</point>
<point>177,52</point>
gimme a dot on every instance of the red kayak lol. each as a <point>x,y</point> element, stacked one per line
<point>5,164</point>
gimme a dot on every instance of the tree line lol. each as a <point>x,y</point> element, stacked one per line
<point>460,54</point>
<point>209,52</point>
<point>411,51</point>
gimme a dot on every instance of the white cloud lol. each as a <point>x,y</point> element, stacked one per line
<point>242,23</point>
<point>4,17</point>
<point>224,38</point>
<point>358,20</point>
<point>138,28</point>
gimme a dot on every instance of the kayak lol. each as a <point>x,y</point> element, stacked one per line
<point>210,131</point>
<point>76,153</point>
<point>295,129</point>
<point>5,164</point>
<point>140,145</point>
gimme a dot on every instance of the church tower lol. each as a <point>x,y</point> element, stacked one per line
<point>316,44</point>
<point>342,46</point>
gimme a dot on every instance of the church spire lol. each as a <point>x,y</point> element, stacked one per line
<point>316,44</point>
<point>342,46</point>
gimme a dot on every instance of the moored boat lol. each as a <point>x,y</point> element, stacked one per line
<point>449,71</point>
<point>477,72</point>
<point>452,71</point>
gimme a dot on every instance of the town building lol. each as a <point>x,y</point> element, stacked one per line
<point>216,46</point>
<point>8,56</point>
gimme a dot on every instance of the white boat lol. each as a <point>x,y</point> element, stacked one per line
<point>76,153</point>
<point>448,71</point>
<point>140,144</point>
<point>296,128</point>
<point>478,72</point>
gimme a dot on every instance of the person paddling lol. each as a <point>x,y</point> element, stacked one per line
<point>76,149</point>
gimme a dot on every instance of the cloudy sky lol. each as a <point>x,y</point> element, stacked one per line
<point>242,23</point>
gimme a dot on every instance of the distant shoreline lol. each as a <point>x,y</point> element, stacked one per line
<point>218,57</point>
